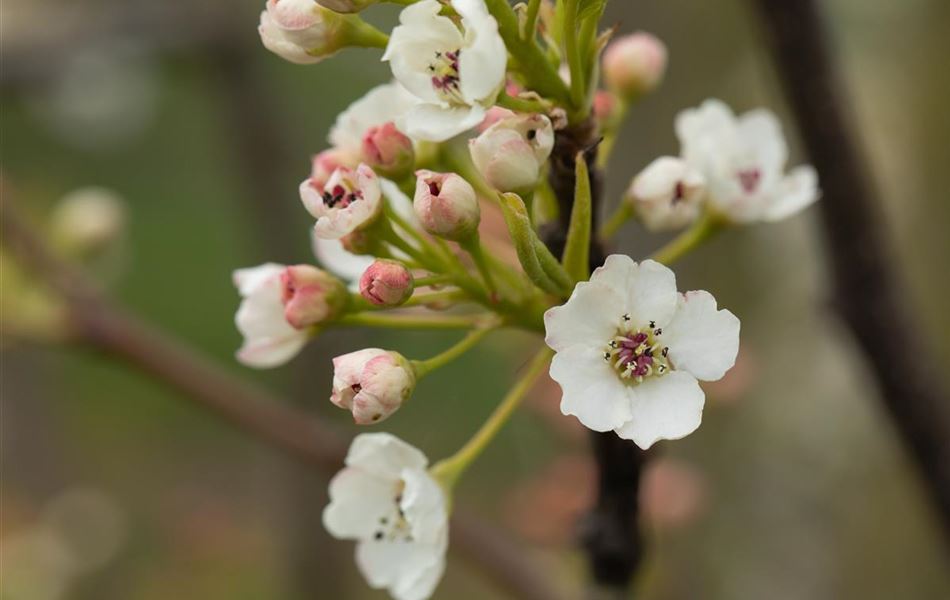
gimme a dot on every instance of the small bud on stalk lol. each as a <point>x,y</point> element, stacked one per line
<point>634,64</point>
<point>303,32</point>
<point>446,205</point>
<point>372,383</point>
<point>386,283</point>
<point>310,295</point>
<point>667,194</point>
<point>388,151</point>
<point>88,220</point>
<point>511,153</point>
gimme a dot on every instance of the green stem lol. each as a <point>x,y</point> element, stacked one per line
<point>449,470</point>
<point>473,245</point>
<point>385,321</point>
<point>573,52</point>
<point>424,367</point>
<point>621,215</point>
<point>531,21</point>
<point>522,105</point>
<point>431,280</point>
<point>703,229</point>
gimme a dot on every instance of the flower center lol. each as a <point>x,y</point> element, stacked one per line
<point>749,179</point>
<point>341,193</point>
<point>444,73</point>
<point>637,353</point>
<point>393,526</point>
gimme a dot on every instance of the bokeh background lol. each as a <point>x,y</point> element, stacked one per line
<point>795,487</point>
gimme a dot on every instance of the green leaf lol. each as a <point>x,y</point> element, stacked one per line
<point>576,258</point>
<point>526,243</point>
<point>590,8</point>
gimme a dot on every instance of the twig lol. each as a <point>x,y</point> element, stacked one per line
<point>866,285</point>
<point>609,532</point>
<point>265,417</point>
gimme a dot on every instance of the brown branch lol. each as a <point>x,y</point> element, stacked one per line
<point>866,285</point>
<point>105,327</point>
<point>610,532</point>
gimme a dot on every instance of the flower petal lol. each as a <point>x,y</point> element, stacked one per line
<point>266,353</point>
<point>483,61</point>
<point>796,191</point>
<point>591,390</point>
<point>397,565</point>
<point>333,257</point>
<point>702,340</point>
<point>664,408</point>
<point>648,289</point>
<point>419,585</point>
<point>762,141</point>
<point>590,317</point>
<point>384,455</point>
<point>357,501</point>
<point>436,123</point>
<point>423,504</point>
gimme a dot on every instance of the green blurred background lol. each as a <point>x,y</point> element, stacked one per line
<point>795,486</point>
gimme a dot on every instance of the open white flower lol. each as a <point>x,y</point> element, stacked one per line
<point>743,160</point>
<point>347,201</point>
<point>667,194</point>
<point>456,74</point>
<point>269,339</point>
<point>382,104</point>
<point>630,350</point>
<point>386,501</point>
<point>372,383</point>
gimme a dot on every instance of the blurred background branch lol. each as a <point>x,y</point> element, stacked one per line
<point>96,322</point>
<point>868,289</point>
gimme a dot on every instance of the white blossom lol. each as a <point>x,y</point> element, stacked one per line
<point>630,350</point>
<point>456,74</point>
<point>269,339</point>
<point>299,31</point>
<point>371,383</point>
<point>382,104</point>
<point>386,501</point>
<point>667,194</point>
<point>511,153</point>
<point>743,159</point>
<point>348,200</point>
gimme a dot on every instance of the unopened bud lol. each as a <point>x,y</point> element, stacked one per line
<point>304,32</point>
<point>310,296</point>
<point>88,220</point>
<point>446,205</point>
<point>372,383</point>
<point>605,106</point>
<point>667,194</point>
<point>325,163</point>
<point>386,283</point>
<point>634,64</point>
<point>388,151</point>
<point>511,153</point>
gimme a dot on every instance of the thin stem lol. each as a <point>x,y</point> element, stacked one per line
<point>450,296</point>
<point>449,470</point>
<point>531,21</point>
<point>612,225</point>
<point>573,51</point>
<point>611,131</point>
<point>432,280</point>
<point>522,105</point>
<point>385,321</point>
<point>424,367</point>
<point>473,246</point>
<point>702,230</point>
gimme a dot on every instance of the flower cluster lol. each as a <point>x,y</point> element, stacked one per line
<point>397,202</point>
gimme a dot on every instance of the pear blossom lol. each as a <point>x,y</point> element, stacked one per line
<point>456,74</point>
<point>511,153</point>
<point>388,151</point>
<point>310,296</point>
<point>348,200</point>
<point>382,104</point>
<point>630,351</point>
<point>300,31</point>
<point>743,160</point>
<point>269,339</point>
<point>667,194</point>
<point>446,205</point>
<point>386,283</point>
<point>372,383</point>
<point>386,500</point>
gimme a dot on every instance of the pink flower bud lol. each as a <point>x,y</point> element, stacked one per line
<point>386,283</point>
<point>372,383</point>
<point>388,151</point>
<point>510,153</point>
<point>301,31</point>
<point>446,205</point>
<point>310,296</point>
<point>493,115</point>
<point>605,104</point>
<point>667,194</point>
<point>634,64</point>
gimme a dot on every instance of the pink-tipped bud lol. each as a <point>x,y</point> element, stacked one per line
<point>388,151</point>
<point>372,383</point>
<point>511,153</point>
<point>634,64</point>
<point>493,115</point>
<point>386,283</point>
<point>310,296</point>
<point>301,31</point>
<point>446,205</point>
